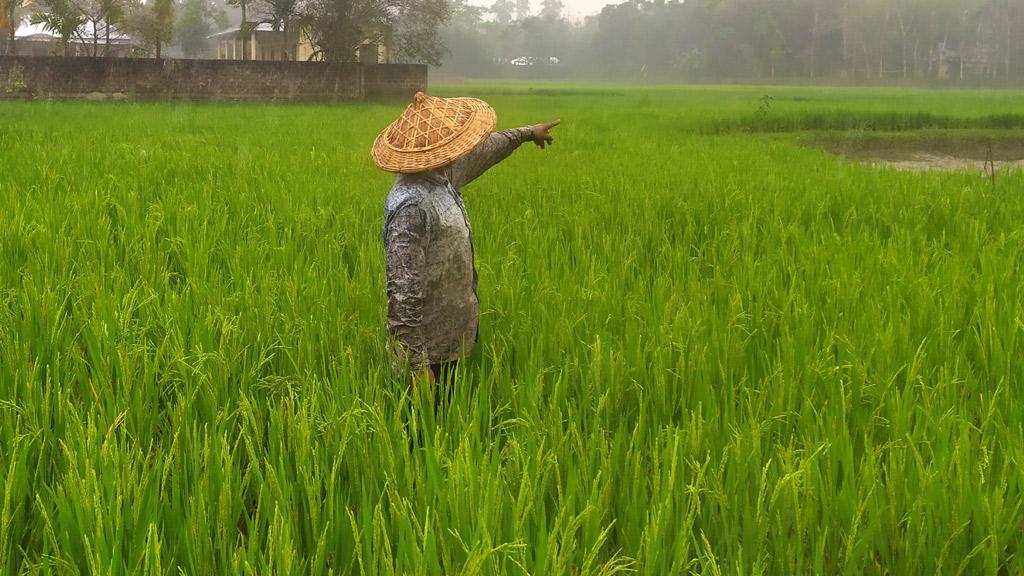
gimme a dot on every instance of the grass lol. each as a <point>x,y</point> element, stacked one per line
<point>699,353</point>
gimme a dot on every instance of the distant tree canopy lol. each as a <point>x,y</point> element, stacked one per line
<point>282,15</point>
<point>853,40</point>
<point>411,28</point>
<point>62,18</point>
<point>882,41</point>
<point>152,23</point>
<point>197,19</point>
<point>91,20</point>
<point>336,28</point>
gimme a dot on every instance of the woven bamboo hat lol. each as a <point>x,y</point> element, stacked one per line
<point>433,132</point>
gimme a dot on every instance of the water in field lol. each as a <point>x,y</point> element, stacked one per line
<point>928,162</point>
<point>972,151</point>
<point>708,344</point>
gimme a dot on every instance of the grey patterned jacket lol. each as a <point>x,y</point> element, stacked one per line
<point>428,245</point>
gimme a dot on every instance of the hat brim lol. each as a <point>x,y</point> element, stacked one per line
<point>476,131</point>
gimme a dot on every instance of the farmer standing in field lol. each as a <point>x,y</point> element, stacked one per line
<point>437,146</point>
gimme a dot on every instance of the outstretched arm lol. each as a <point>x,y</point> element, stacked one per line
<point>496,148</point>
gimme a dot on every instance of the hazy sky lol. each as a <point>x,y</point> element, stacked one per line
<point>574,9</point>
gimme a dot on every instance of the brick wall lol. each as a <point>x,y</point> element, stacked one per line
<point>54,77</point>
<point>395,80</point>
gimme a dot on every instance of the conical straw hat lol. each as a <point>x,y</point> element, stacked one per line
<point>433,132</point>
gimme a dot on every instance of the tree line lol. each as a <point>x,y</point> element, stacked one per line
<point>335,28</point>
<point>93,23</point>
<point>882,41</point>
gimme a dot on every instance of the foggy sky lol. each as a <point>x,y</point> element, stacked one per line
<point>574,9</point>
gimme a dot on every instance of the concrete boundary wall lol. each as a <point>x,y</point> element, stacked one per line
<point>81,78</point>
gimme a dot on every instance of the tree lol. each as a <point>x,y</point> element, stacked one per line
<point>416,30</point>
<point>522,9</point>
<point>100,15</point>
<point>194,25</point>
<point>551,9</point>
<point>12,13</point>
<point>244,28</point>
<point>93,13</point>
<point>113,16</point>
<point>162,24</point>
<point>970,41</point>
<point>63,18</point>
<point>467,48</point>
<point>338,27</point>
<point>411,27</point>
<point>152,23</point>
<point>280,14</point>
<point>502,10</point>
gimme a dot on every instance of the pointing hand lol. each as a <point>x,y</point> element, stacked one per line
<point>542,133</point>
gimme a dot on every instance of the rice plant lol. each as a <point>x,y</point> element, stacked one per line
<point>701,351</point>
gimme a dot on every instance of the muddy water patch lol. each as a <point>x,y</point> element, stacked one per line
<point>929,162</point>
<point>980,152</point>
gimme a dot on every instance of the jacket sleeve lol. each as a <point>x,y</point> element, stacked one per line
<point>496,148</point>
<point>405,238</point>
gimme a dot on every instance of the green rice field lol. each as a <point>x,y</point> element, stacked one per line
<point>705,348</point>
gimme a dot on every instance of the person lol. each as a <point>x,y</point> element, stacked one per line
<point>436,147</point>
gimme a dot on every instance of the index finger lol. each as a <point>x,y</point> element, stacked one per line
<point>551,125</point>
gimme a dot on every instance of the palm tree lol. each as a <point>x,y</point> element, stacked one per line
<point>280,14</point>
<point>62,18</point>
